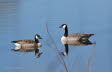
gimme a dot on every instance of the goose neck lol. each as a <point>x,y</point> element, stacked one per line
<point>36,40</point>
<point>66,32</point>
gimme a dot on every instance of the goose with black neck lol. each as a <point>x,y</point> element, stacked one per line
<point>75,39</point>
<point>28,45</point>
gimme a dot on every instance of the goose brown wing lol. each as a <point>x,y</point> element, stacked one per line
<point>24,41</point>
<point>80,35</point>
<point>76,35</point>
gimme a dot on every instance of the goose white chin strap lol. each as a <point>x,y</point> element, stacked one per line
<point>64,53</point>
<point>64,26</point>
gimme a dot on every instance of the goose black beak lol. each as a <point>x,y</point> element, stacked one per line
<point>60,26</point>
<point>40,38</point>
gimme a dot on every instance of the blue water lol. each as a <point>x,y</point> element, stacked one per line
<point>29,17</point>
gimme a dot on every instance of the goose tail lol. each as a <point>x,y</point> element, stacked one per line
<point>14,41</point>
<point>91,34</point>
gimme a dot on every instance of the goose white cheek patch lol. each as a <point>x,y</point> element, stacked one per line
<point>36,37</point>
<point>64,26</point>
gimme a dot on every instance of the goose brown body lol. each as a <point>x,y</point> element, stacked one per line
<point>27,45</point>
<point>76,39</point>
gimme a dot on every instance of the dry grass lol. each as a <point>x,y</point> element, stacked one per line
<point>56,48</point>
<point>89,65</point>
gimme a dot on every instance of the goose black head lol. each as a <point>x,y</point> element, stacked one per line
<point>63,26</point>
<point>38,36</point>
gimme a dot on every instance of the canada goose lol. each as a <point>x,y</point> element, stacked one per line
<point>28,45</point>
<point>74,39</point>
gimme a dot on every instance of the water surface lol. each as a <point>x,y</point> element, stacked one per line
<point>24,18</point>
